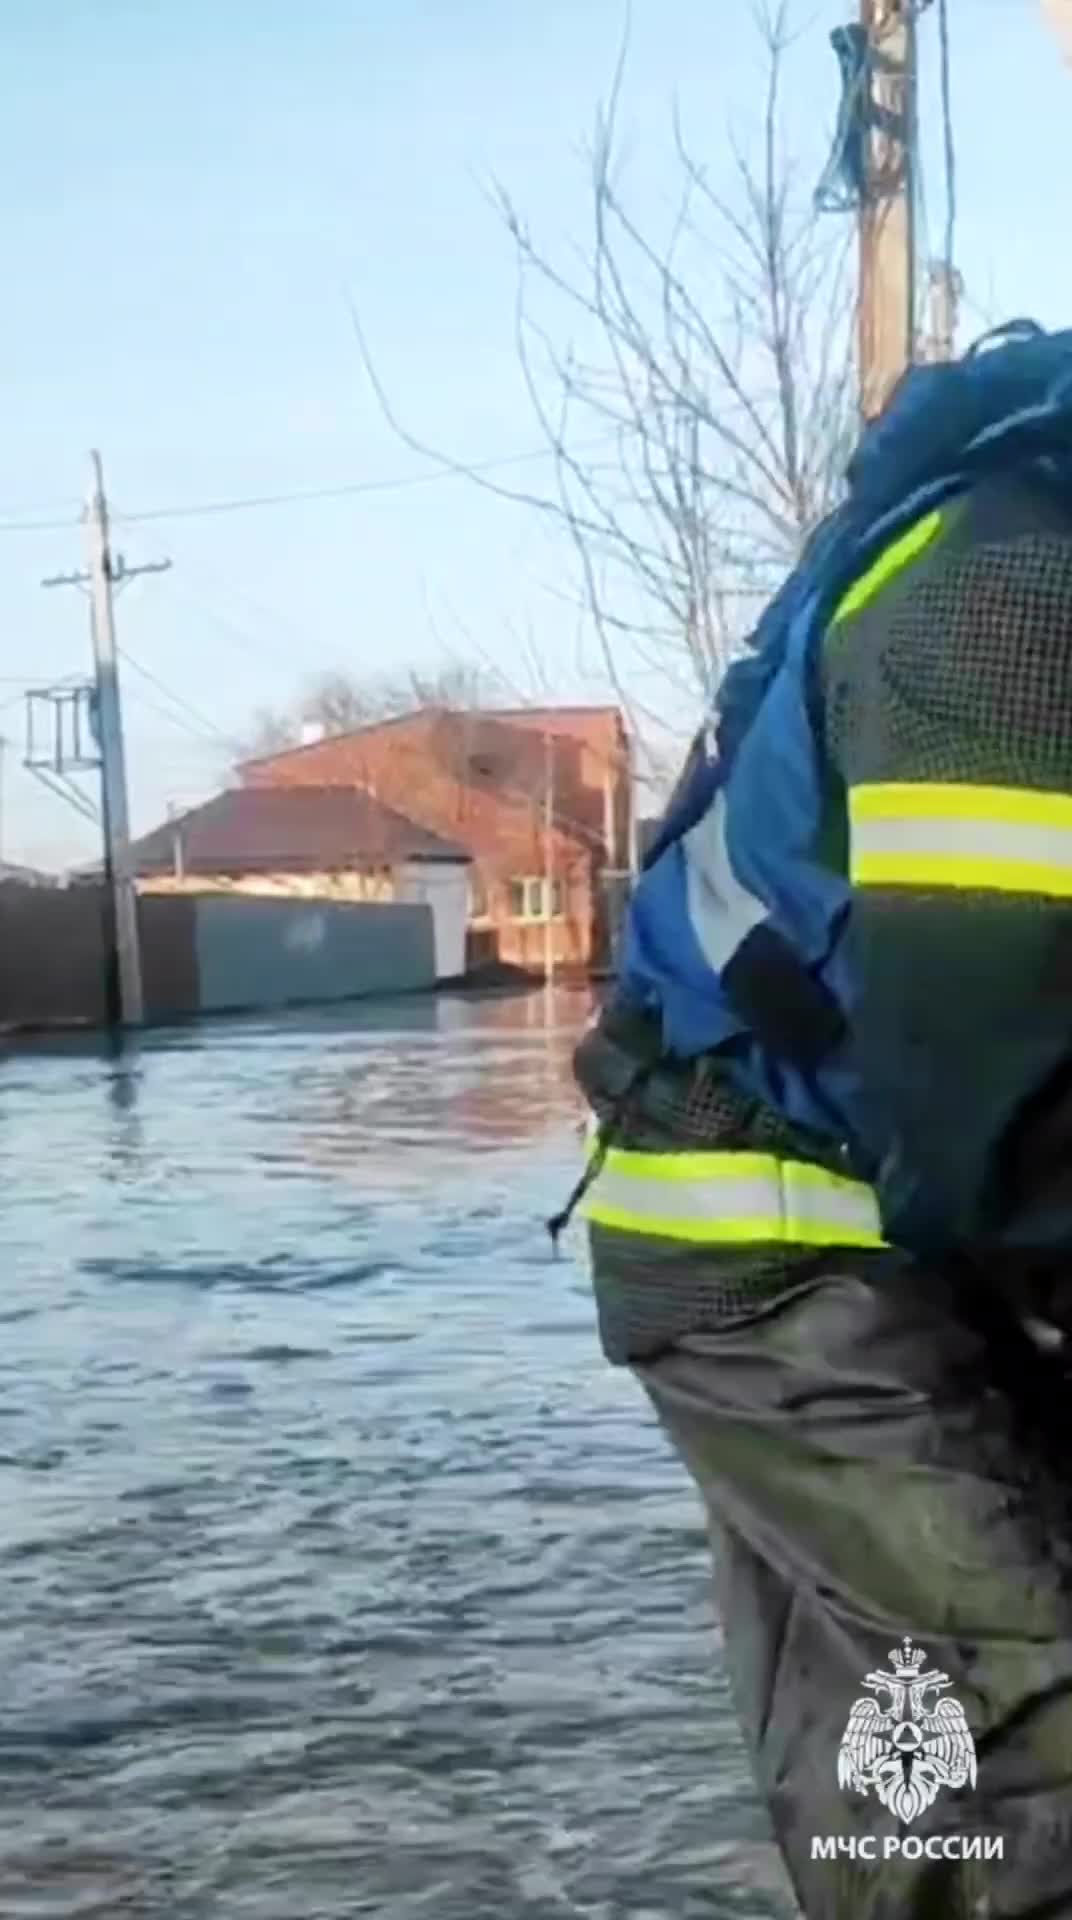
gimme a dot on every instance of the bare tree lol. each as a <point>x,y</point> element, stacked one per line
<point>270,731</point>
<point>337,702</point>
<point>695,388</point>
<point>717,360</point>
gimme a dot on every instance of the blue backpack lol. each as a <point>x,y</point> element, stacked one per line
<point>733,935</point>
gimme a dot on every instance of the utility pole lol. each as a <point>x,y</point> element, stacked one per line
<point>887,297</point>
<point>178,858</point>
<point>1059,18</point>
<point>114,805</point>
<point>946,288</point>
<point>548,859</point>
<point>101,577</point>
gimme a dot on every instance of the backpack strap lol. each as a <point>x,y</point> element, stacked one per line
<point>791,1013</point>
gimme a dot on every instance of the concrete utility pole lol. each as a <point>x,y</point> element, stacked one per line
<point>114,806</point>
<point>178,857</point>
<point>887,297</point>
<point>102,576</point>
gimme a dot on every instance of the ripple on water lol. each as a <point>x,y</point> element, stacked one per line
<point>341,1577</point>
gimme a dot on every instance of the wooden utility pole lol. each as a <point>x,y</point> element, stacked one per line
<point>1058,15</point>
<point>887,297</point>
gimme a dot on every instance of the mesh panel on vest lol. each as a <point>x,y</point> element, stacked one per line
<point>651,1293</point>
<point>963,675</point>
<point>960,670</point>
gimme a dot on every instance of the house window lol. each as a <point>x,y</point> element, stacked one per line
<point>528,899</point>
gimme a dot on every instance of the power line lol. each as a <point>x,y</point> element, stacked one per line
<point>195,734</point>
<point>207,727</point>
<point>37,507</point>
<point>39,526</point>
<point>948,134</point>
<point>249,644</point>
<point>350,490</point>
<point>287,631</point>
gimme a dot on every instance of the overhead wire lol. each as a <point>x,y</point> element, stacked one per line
<point>948,134</point>
<point>917,184</point>
<point>241,503</point>
<point>249,644</point>
<point>174,719</point>
<point>40,526</point>
<point>351,489</point>
<point>207,728</point>
<point>288,633</point>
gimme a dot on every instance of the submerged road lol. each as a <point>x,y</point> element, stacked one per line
<point>340,1574</point>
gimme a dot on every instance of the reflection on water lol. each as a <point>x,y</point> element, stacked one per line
<point>341,1576</point>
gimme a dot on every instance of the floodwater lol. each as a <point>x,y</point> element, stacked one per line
<point>340,1575</point>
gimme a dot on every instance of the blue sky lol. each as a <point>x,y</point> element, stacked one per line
<point>187,190</point>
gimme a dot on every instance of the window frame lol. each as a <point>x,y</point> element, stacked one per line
<point>533,902</point>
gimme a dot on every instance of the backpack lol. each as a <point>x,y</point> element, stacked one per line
<point>733,936</point>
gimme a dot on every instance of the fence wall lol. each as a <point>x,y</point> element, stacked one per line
<point>52,956</point>
<point>204,953</point>
<point>262,953</point>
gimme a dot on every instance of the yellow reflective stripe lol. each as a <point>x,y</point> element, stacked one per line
<point>981,876</point>
<point>991,839</point>
<point>891,561</point>
<point>728,1199</point>
<point>937,800</point>
<point>672,1167</point>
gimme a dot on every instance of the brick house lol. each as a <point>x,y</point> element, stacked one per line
<point>490,782</point>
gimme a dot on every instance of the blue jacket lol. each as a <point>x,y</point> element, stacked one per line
<point>734,934</point>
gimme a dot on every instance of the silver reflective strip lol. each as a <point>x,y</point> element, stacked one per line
<point>722,911</point>
<point>809,1208</point>
<point>1029,843</point>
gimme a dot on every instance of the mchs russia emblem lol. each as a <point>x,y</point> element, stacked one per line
<point>911,1741</point>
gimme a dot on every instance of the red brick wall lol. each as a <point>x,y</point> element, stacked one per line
<point>480,780</point>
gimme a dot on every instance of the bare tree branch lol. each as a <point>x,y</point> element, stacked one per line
<point>715,361</point>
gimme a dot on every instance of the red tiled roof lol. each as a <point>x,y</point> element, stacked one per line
<point>289,830</point>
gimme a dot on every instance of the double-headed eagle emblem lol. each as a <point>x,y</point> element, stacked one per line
<point>906,1753</point>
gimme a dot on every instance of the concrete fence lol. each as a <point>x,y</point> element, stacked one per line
<point>211,953</point>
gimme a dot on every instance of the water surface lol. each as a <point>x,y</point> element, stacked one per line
<point>340,1574</point>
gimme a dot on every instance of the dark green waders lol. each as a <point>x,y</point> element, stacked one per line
<point>868,1475</point>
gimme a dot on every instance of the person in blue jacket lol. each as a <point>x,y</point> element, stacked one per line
<point>829,1198</point>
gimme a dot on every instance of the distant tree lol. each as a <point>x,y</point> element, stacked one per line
<point>270,731</point>
<point>339,703</point>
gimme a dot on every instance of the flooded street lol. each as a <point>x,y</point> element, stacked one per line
<point>341,1575</point>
